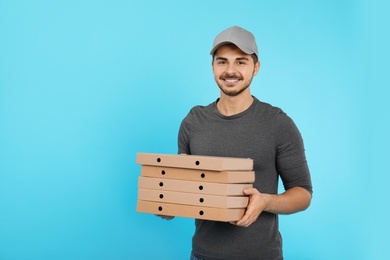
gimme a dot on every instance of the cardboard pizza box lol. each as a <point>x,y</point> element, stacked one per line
<point>227,189</point>
<point>194,199</point>
<point>198,175</point>
<point>196,162</point>
<point>199,212</point>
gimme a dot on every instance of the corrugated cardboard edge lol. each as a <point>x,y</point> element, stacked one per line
<point>169,209</point>
<point>195,162</point>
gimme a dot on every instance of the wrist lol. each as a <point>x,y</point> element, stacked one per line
<point>268,200</point>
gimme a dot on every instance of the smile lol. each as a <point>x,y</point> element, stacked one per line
<point>231,80</point>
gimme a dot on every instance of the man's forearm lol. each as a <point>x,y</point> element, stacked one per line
<point>293,200</point>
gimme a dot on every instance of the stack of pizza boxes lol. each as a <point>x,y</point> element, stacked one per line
<point>202,187</point>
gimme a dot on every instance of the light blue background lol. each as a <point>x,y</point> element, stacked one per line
<point>85,85</point>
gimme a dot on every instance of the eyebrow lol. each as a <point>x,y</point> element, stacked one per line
<point>240,58</point>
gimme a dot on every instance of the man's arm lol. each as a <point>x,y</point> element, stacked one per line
<point>291,201</point>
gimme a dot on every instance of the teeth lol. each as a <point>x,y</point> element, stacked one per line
<point>231,80</point>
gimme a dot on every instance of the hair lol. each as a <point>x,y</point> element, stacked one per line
<point>255,58</point>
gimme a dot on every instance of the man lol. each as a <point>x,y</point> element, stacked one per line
<point>237,124</point>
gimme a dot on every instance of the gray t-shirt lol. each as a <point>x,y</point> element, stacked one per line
<point>268,136</point>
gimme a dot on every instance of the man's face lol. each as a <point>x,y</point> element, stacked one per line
<point>233,70</point>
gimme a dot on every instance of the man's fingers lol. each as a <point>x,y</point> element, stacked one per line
<point>245,221</point>
<point>165,217</point>
<point>250,215</point>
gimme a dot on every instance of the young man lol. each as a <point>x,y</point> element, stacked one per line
<point>237,124</point>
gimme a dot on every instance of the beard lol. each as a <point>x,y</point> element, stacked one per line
<point>232,92</point>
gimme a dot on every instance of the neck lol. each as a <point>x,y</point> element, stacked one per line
<point>229,106</point>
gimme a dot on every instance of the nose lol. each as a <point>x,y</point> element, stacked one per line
<point>230,68</point>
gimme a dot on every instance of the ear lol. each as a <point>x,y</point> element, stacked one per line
<point>257,68</point>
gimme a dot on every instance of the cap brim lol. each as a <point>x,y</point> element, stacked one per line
<point>242,48</point>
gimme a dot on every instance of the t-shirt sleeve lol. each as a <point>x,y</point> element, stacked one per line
<point>183,138</point>
<point>291,161</point>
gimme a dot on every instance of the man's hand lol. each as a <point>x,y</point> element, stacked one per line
<point>291,201</point>
<point>257,203</point>
<point>165,217</point>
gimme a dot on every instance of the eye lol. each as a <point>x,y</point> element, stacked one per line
<point>241,63</point>
<point>221,62</point>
